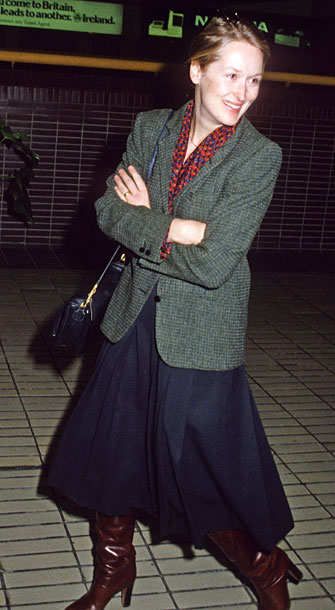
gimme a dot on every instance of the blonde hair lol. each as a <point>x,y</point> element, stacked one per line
<point>219,32</point>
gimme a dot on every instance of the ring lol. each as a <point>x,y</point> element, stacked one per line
<point>126,193</point>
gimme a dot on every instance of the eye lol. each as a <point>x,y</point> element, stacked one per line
<point>256,80</point>
<point>231,75</point>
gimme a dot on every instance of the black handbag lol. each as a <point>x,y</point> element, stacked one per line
<point>74,320</point>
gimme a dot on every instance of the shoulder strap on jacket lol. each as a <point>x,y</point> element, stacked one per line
<point>154,154</point>
<point>150,170</point>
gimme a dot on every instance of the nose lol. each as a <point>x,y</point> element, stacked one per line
<point>241,90</point>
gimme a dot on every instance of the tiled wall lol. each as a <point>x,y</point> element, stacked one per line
<point>302,213</point>
<point>80,134</point>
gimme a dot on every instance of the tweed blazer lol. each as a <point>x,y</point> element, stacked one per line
<point>202,291</point>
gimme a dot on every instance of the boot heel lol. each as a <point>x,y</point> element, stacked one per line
<point>293,573</point>
<point>126,596</point>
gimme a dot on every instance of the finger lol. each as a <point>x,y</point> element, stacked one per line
<point>125,196</point>
<point>120,194</point>
<point>128,181</point>
<point>122,186</point>
<point>137,178</point>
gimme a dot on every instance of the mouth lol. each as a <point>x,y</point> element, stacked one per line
<point>233,107</point>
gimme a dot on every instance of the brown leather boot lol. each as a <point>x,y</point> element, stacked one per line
<point>115,568</point>
<point>267,572</point>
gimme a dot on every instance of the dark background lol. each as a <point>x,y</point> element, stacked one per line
<point>78,120</point>
<point>315,19</point>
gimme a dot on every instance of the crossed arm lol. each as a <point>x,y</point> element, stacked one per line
<point>131,188</point>
<point>204,253</point>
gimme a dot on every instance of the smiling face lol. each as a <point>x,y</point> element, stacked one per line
<point>227,87</point>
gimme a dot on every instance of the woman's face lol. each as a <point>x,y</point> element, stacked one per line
<point>227,87</point>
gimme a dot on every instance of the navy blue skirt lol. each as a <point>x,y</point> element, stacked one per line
<point>182,445</point>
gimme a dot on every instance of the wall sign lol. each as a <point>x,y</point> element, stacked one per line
<point>76,16</point>
<point>172,24</point>
<point>173,27</point>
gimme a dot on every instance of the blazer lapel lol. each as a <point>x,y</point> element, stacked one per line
<point>166,147</point>
<point>220,156</point>
<point>165,151</point>
<point>164,166</point>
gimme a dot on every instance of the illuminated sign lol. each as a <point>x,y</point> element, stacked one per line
<point>173,29</point>
<point>172,26</point>
<point>76,16</point>
<point>289,40</point>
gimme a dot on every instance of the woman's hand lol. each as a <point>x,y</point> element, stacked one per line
<point>186,231</point>
<point>131,188</point>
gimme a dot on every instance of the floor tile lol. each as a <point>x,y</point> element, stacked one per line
<point>315,603</point>
<point>39,595</point>
<point>322,570</point>
<point>29,547</point>
<point>39,561</point>
<point>210,597</point>
<point>188,566</point>
<point>47,552</point>
<point>160,601</point>
<point>28,519</point>
<point>202,580</point>
<point>32,532</point>
<point>43,578</point>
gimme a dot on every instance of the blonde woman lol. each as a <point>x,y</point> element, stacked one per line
<point>167,424</point>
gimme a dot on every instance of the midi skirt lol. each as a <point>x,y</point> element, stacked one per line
<point>184,446</point>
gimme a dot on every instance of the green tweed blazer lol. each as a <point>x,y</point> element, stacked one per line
<point>203,291</point>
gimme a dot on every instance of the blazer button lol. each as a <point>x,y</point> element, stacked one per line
<point>141,249</point>
<point>157,299</point>
<point>148,252</point>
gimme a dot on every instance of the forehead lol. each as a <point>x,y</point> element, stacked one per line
<point>240,55</point>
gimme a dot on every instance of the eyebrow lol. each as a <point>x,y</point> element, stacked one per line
<point>236,70</point>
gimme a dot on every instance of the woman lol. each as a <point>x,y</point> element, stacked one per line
<point>167,424</point>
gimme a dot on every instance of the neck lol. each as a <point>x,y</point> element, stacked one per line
<point>201,126</point>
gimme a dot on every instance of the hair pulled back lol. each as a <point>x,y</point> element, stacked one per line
<point>220,31</point>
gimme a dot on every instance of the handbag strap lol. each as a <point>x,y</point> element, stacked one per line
<point>149,174</point>
<point>154,154</point>
<point>119,246</point>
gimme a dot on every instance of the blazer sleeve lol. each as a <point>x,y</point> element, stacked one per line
<point>140,229</point>
<point>232,226</point>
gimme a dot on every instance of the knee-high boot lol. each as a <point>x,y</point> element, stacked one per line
<point>267,572</point>
<point>115,568</point>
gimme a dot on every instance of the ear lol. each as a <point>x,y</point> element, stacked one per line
<point>195,72</point>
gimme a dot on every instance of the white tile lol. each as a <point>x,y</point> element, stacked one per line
<point>211,597</point>
<point>37,561</point>
<point>42,578</point>
<point>310,540</point>
<point>37,518</point>
<point>317,555</point>
<point>160,601</point>
<point>32,532</point>
<point>315,603</point>
<point>202,580</point>
<point>291,359</point>
<point>185,566</point>
<point>313,526</point>
<point>39,595</point>
<point>329,584</point>
<point>28,547</point>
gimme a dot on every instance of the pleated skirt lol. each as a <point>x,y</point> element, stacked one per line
<point>184,446</point>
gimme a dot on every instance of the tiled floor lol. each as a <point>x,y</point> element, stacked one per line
<point>291,361</point>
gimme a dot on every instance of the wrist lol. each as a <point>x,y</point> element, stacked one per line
<point>174,233</point>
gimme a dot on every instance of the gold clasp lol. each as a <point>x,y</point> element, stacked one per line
<point>89,296</point>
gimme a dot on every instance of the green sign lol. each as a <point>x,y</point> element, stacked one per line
<point>76,16</point>
<point>287,40</point>
<point>173,28</point>
<point>171,24</point>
